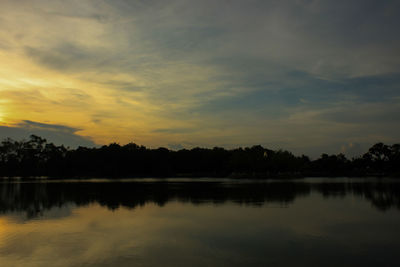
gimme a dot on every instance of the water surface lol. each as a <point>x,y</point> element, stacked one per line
<point>200,222</point>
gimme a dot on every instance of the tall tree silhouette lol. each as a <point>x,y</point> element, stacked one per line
<point>37,157</point>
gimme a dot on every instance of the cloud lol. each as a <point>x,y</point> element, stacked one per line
<point>58,134</point>
<point>303,75</point>
<point>27,124</point>
<point>67,57</point>
<point>174,130</point>
<point>378,115</point>
<point>176,146</point>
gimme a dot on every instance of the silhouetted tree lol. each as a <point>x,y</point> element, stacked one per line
<point>36,157</point>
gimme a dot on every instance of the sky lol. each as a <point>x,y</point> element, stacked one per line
<point>308,76</point>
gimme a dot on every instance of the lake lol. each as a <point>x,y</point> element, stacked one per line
<point>200,222</point>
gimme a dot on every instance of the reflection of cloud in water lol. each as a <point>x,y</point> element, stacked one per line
<point>181,234</point>
<point>52,213</point>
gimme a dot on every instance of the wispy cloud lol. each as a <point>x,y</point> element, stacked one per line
<point>44,126</point>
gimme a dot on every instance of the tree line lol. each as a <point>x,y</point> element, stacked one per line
<point>36,157</point>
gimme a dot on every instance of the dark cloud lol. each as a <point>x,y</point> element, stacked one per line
<point>302,89</point>
<point>373,88</point>
<point>378,115</point>
<point>27,124</point>
<point>55,133</point>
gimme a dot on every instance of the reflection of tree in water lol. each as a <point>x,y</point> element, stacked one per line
<point>383,195</point>
<point>34,198</point>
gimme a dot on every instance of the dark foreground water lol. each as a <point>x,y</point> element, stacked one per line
<point>206,222</point>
